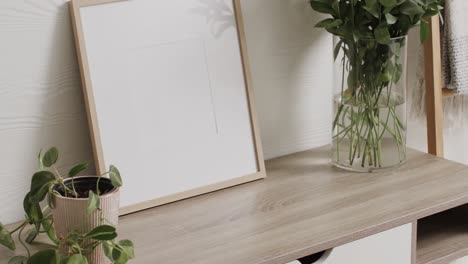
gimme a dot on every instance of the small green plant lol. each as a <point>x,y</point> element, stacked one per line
<point>44,185</point>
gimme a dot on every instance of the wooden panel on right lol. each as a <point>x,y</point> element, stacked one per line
<point>443,238</point>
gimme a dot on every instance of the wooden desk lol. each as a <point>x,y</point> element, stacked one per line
<point>303,207</point>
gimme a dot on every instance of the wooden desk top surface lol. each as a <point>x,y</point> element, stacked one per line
<point>303,207</point>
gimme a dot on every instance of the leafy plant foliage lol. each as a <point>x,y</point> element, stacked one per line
<point>376,19</point>
<point>371,37</point>
<point>43,185</point>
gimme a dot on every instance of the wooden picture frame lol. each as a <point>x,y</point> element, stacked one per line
<point>94,124</point>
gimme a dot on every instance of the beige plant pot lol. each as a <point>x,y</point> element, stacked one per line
<point>69,214</point>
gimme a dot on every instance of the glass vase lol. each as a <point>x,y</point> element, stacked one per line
<point>369,122</point>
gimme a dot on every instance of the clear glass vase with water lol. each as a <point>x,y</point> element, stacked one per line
<point>369,124</point>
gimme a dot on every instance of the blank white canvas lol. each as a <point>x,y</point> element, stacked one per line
<point>170,94</point>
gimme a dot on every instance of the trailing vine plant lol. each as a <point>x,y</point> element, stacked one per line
<point>39,218</point>
<point>371,36</point>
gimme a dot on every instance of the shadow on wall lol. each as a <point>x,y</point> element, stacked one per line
<point>291,70</point>
<point>219,16</point>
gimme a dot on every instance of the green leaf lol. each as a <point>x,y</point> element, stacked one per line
<point>411,9</point>
<point>33,211</point>
<point>386,76</point>
<point>18,260</point>
<point>337,49</point>
<point>77,169</point>
<point>391,19</point>
<point>115,177</point>
<point>48,225</point>
<point>381,34</point>
<point>107,247</point>
<point>103,233</point>
<point>32,234</point>
<point>77,259</point>
<point>329,23</point>
<point>119,255</point>
<point>373,7</point>
<point>424,31</point>
<point>336,23</point>
<point>5,238</point>
<point>324,23</point>
<point>93,202</point>
<point>50,157</point>
<point>373,11</point>
<point>48,256</point>
<point>322,7</point>
<point>388,3</point>
<point>127,245</point>
<point>40,184</point>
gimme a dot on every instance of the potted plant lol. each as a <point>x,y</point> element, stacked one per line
<point>370,37</point>
<point>79,217</point>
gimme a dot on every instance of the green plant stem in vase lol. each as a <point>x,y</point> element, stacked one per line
<point>369,125</point>
<point>369,129</point>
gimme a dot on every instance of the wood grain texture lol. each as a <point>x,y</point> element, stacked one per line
<point>443,237</point>
<point>40,97</point>
<point>448,92</point>
<point>434,85</point>
<point>304,206</point>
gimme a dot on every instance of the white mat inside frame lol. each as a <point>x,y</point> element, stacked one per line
<point>167,89</point>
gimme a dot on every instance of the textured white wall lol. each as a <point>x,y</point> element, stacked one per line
<point>40,97</point>
<point>40,92</point>
<point>292,73</point>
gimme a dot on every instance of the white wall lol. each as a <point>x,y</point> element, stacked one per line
<point>40,97</point>
<point>40,92</point>
<point>292,72</point>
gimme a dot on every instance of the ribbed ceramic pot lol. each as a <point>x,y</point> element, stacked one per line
<point>70,214</point>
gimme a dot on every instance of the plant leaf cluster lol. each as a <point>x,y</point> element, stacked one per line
<point>376,19</point>
<point>42,188</point>
<point>371,34</point>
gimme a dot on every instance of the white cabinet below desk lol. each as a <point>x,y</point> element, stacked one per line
<point>461,261</point>
<point>393,246</point>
